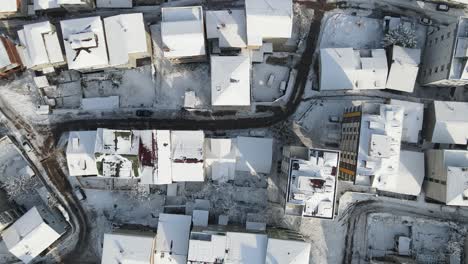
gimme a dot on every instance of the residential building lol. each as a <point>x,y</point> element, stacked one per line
<point>230,81</point>
<point>268,20</point>
<point>220,158</point>
<point>100,103</point>
<point>172,239</point>
<point>227,27</point>
<point>13,8</point>
<point>85,43</point>
<point>10,60</point>
<point>80,153</point>
<point>127,40</point>
<point>8,211</point>
<point>39,46</point>
<point>183,33</point>
<point>286,246</point>
<point>446,178</point>
<point>114,3</point>
<point>33,233</point>
<point>69,5</point>
<point>128,247</point>
<point>116,153</point>
<point>447,122</point>
<point>370,143</point>
<point>404,69</point>
<point>187,156</point>
<point>413,116</point>
<point>254,154</point>
<point>445,56</point>
<point>312,180</point>
<point>347,69</point>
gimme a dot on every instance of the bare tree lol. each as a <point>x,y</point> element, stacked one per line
<point>402,36</point>
<point>20,185</point>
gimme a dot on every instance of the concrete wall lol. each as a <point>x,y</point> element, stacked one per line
<point>435,171</point>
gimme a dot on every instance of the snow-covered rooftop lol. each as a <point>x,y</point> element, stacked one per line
<point>126,35</point>
<point>412,120</point>
<point>409,178</point>
<point>220,157</point>
<point>230,80</point>
<point>287,251</point>
<point>268,19</point>
<point>40,46</point>
<point>85,43</point>
<point>80,153</point>
<point>379,143</point>
<point>45,4</point>
<point>187,156</point>
<point>450,122</point>
<point>114,3</point>
<point>31,234</point>
<point>182,32</point>
<point>8,6</point>
<point>403,69</point>
<point>346,69</point>
<point>206,250</point>
<point>172,239</point>
<point>128,247</point>
<point>254,154</point>
<point>246,247</point>
<point>312,183</point>
<point>228,26</point>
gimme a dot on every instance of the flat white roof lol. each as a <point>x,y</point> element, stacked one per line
<point>172,239</point>
<point>287,251</point>
<point>114,3</point>
<point>125,35</point>
<point>206,250</point>
<point>85,43</point>
<point>187,155</point>
<point>228,26</point>
<point>29,236</point>
<point>182,32</point>
<point>346,69</point>
<point>230,80</point>
<point>100,103</point>
<point>8,6</point>
<point>41,45</point>
<point>45,4</point>
<point>404,69</point>
<point>451,122</point>
<point>410,175</point>
<point>80,153</point>
<point>164,168</point>
<point>254,154</point>
<point>379,143</point>
<point>220,157</point>
<point>412,120</point>
<point>112,141</point>
<point>246,248</point>
<point>268,19</point>
<point>129,248</point>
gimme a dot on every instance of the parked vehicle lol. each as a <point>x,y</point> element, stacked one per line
<point>144,113</point>
<point>442,7</point>
<point>80,194</point>
<point>425,21</point>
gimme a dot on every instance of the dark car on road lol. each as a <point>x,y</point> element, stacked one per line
<point>144,113</point>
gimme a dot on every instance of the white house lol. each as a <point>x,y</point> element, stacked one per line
<point>347,69</point>
<point>254,154</point>
<point>265,20</point>
<point>228,27</point>
<point>33,233</point>
<point>127,39</point>
<point>220,158</point>
<point>413,114</point>
<point>183,33</point>
<point>85,43</point>
<point>447,176</point>
<point>172,239</point>
<point>187,156</point>
<point>80,153</point>
<point>9,6</point>
<point>287,251</point>
<point>39,46</point>
<point>70,5</point>
<point>448,122</point>
<point>128,247</point>
<point>403,69</point>
<point>230,80</point>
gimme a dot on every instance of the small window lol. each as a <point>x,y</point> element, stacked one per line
<point>436,40</point>
<point>442,37</point>
<point>442,68</point>
<point>424,73</point>
<point>448,34</point>
<point>436,69</point>
<point>430,71</point>
<point>430,43</point>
